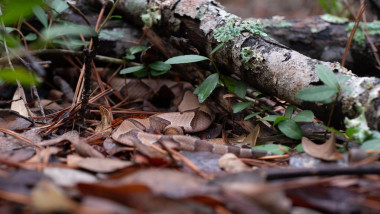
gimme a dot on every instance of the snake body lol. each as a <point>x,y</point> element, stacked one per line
<point>192,117</point>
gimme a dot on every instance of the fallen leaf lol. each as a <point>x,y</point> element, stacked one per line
<point>13,120</point>
<point>102,165</point>
<point>252,137</point>
<point>326,151</point>
<point>231,163</point>
<point>18,104</point>
<point>171,183</point>
<point>48,198</point>
<point>105,125</point>
<point>68,177</point>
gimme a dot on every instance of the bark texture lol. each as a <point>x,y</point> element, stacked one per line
<point>275,69</point>
<point>324,40</point>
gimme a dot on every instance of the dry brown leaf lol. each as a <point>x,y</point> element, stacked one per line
<point>49,104</point>
<point>102,165</point>
<point>171,183</point>
<point>12,120</point>
<point>326,151</point>
<point>68,177</point>
<point>18,105</point>
<point>105,125</point>
<point>252,137</point>
<point>81,147</point>
<point>231,163</point>
<point>48,198</point>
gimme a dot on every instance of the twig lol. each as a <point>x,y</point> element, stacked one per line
<point>88,56</point>
<point>357,20</point>
<point>72,53</point>
<point>108,16</point>
<point>14,134</point>
<point>79,13</point>
<point>274,174</point>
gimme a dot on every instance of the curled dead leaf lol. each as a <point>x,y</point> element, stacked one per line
<point>326,151</point>
<point>231,163</point>
<point>105,125</point>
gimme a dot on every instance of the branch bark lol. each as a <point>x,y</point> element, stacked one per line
<point>275,69</point>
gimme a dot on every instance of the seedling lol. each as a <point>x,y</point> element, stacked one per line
<point>287,124</point>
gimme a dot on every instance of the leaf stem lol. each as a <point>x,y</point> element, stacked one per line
<point>108,16</point>
<point>332,110</point>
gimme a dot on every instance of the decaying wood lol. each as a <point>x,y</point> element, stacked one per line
<point>276,69</point>
<point>320,39</point>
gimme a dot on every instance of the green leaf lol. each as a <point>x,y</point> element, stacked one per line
<point>41,15</point>
<point>317,93</point>
<point>289,111</point>
<point>240,89</point>
<point>304,116</point>
<point>351,131</point>
<point>240,106</point>
<point>290,129</point>
<point>251,115</point>
<point>327,76</point>
<point>371,145</point>
<point>132,69</point>
<point>58,6</point>
<point>207,87</point>
<point>116,17</point>
<point>160,66</point>
<point>299,148</point>
<point>71,43</point>
<point>266,108</point>
<point>185,59</point>
<point>279,119</point>
<point>106,34</point>
<point>216,48</point>
<point>157,73</point>
<point>136,49</point>
<point>15,9</point>
<point>141,73</point>
<point>271,118</point>
<point>130,53</point>
<point>31,37</point>
<point>25,77</point>
<point>274,148</point>
<point>68,30</point>
<point>228,82</point>
<point>324,4</point>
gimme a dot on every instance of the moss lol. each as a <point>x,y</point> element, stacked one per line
<point>334,19</point>
<point>234,28</point>
<point>249,58</point>
<point>283,24</point>
<point>373,28</point>
<point>201,13</point>
<point>360,124</point>
<point>227,32</point>
<point>151,16</point>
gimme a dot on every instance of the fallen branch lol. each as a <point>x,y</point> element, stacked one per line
<point>275,69</point>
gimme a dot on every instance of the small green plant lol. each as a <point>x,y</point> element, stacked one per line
<point>325,93</point>
<point>334,7</point>
<point>287,124</point>
<point>156,68</point>
<point>273,148</point>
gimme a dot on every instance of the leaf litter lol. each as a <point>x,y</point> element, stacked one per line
<point>52,164</point>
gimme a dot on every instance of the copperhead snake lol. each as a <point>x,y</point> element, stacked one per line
<point>191,117</point>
